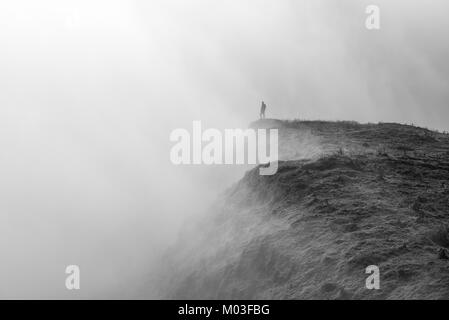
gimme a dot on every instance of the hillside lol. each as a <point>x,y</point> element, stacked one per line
<point>346,196</point>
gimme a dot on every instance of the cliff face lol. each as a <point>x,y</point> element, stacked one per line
<point>346,196</point>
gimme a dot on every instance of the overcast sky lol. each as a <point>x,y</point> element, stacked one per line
<point>90,90</point>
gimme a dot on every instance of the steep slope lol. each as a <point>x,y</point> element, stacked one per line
<point>345,197</point>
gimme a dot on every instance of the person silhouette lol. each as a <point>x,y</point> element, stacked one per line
<point>262,110</point>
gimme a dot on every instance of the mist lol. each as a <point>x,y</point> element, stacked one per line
<point>90,91</point>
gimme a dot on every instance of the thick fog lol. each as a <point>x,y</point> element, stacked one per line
<point>90,91</point>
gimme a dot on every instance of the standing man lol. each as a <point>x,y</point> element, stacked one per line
<point>262,110</point>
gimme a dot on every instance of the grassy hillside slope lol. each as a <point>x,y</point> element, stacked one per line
<point>346,196</point>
